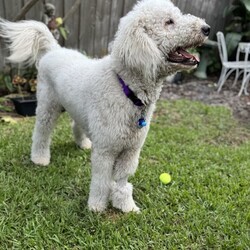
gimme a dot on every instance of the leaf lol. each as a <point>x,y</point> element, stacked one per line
<point>232,41</point>
<point>63,32</point>
<point>5,108</point>
<point>229,10</point>
<point>8,119</point>
<point>8,83</point>
<point>246,3</point>
<point>234,27</point>
<point>247,33</point>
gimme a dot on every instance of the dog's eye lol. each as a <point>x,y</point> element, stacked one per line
<point>169,22</point>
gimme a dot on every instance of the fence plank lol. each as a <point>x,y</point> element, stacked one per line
<point>128,5</point>
<point>94,24</point>
<point>2,9</point>
<point>102,21</point>
<point>1,55</point>
<point>72,24</point>
<point>216,20</point>
<point>182,5</point>
<point>36,12</point>
<point>87,26</point>
<point>116,13</point>
<point>12,8</point>
<point>2,14</point>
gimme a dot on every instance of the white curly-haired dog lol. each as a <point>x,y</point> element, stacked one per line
<point>111,100</point>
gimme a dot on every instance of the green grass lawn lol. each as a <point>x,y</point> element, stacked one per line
<point>206,206</point>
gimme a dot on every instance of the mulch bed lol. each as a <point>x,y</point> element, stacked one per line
<point>200,90</point>
<point>205,91</point>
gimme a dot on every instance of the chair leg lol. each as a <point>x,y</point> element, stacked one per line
<point>236,77</point>
<point>222,78</point>
<point>238,73</point>
<point>244,84</point>
<point>245,89</point>
<point>246,92</point>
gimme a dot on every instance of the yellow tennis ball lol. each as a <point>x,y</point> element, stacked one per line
<point>165,178</point>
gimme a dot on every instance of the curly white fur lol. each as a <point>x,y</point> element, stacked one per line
<point>29,41</point>
<point>91,93</point>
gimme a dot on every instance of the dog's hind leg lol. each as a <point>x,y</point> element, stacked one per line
<point>101,182</point>
<point>80,138</point>
<point>47,112</point>
<point>122,190</point>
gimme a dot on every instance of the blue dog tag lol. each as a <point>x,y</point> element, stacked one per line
<point>142,123</point>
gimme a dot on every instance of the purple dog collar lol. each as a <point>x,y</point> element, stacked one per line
<point>129,93</point>
<point>137,102</point>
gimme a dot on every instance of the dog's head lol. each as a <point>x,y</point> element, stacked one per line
<point>152,39</point>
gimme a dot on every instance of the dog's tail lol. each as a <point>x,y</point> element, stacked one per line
<point>28,41</point>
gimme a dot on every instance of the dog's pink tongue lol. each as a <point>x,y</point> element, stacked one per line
<point>187,55</point>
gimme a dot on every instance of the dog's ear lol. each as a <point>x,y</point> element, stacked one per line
<point>135,48</point>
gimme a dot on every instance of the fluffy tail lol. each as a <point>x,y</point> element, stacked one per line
<point>28,41</point>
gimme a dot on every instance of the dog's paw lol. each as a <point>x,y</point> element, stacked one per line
<point>122,199</point>
<point>85,144</point>
<point>41,161</point>
<point>126,206</point>
<point>97,207</point>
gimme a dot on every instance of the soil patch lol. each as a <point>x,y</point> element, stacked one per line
<point>205,91</point>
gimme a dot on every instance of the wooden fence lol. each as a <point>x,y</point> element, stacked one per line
<point>95,22</point>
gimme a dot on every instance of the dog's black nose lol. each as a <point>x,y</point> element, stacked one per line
<point>205,30</point>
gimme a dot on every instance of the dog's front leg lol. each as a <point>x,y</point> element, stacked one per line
<point>122,190</point>
<point>101,181</point>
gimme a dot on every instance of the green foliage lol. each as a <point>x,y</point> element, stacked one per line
<point>232,41</point>
<point>239,11</point>
<point>246,3</point>
<point>3,106</point>
<point>212,57</point>
<point>238,27</point>
<point>21,82</point>
<point>206,206</point>
<point>5,82</point>
<point>64,32</point>
<point>30,73</point>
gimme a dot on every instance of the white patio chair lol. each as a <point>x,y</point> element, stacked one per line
<point>228,67</point>
<point>243,48</point>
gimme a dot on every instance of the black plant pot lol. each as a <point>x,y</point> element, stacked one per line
<point>25,106</point>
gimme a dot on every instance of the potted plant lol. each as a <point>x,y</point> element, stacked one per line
<point>24,83</point>
<point>25,103</point>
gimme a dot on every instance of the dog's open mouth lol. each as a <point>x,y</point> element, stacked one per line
<point>182,56</point>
